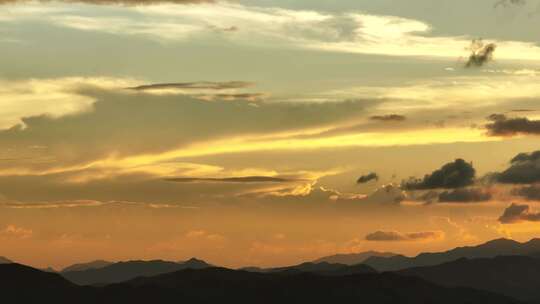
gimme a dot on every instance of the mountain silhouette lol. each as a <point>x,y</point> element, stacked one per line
<point>123,271</point>
<point>49,269</point>
<point>353,258</point>
<point>322,268</point>
<point>490,249</point>
<point>86,266</point>
<point>4,260</point>
<point>22,284</point>
<point>213,285</point>
<point>515,276</point>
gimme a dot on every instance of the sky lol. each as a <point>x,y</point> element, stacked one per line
<point>267,132</point>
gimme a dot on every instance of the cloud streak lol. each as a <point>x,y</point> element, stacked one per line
<point>395,236</point>
<point>388,118</point>
<point>244,179</point>
<point>302,29</point>
<point>114,2</point>
<point>464,195</point>
<point>203,85</point>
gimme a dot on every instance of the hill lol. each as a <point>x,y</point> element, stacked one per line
<point>86,266</point>
<point>499,247</point>
<point>515,276</point>
<point>24,285</point>
<point>123,271</point>
<point>322,268</point>
<point>353,258</point>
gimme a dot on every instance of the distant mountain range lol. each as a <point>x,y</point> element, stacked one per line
<point>123,271</point>
<point>86,266</point>
<point>323,268</point>
<point>499,247</point>
<point>353,258</point>
<point>499,271</point>
<point>219,285</point>
<point>516,276</point>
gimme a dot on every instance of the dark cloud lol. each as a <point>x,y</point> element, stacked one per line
<point>367,178</point>
<point>244,179</point>
<point>456,174</point>
<point>523,110</point>
<point>518,213</point>
<point>531,193</point>
<point>524,169</point>
<point>390,117</point>
<point>481,53</point>
<point>394,236</point>
<point>501,125</point>
<point>464,195</point>
<point>241,96</point>
<point>225,29</point>
<point>203,85</point>
<point>115,2</point>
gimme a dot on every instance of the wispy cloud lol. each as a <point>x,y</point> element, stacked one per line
<point>395,236</point>
<point>243,179</point>
<point>353,32</point>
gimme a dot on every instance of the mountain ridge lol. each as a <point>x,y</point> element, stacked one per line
<point>490,249</point>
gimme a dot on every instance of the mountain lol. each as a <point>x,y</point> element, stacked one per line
<point>217,285</point>
<point>353,258</point>
<point>323,268</point>
<point>49,269</point>
<point>490,249</point>
<point>21,285</point>
<point>86,266</point>
<point>123,271</point>
<point>4,260</point>
<point>515,276</point>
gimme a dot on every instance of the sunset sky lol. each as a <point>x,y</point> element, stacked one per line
<point>265,132</point>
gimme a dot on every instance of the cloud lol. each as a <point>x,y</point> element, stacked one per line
<point>227,91</point>
<point>507,3</point>
<point>367,178</point>
<point>531,193</point>
<point>302,29</point>
<point>471,195</point>
<point>245,179</point>
<point>82,120</point>
<point>12,231</point>
<point>115,2</point>
<point>394,236</point>
<point>503,126</point>
<point>519,213</point>
<point>232,97</point>
<point>52,98</point>
<point>480,53</point>
<point>524,169</point>
<point>456,174</point>
<point>204,235</point>
<point>86,204</point>
<point>203,85</point>
<point>389,118</point>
